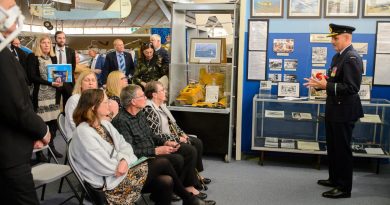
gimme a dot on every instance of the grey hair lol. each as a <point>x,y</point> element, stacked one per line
<point>94,48</point>
<point>128,93</point>
<point>156,36</point>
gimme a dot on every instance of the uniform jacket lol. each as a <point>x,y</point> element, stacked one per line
<point>345,75</point>
<point>111,64</point>
<point>163,54</point>
<point>20,126</point>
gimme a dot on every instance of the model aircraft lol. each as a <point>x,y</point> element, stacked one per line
<point>103,9</point>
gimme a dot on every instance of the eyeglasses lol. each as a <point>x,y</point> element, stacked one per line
<point>141,96</point>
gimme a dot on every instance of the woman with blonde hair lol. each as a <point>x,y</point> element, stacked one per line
<point>86,80</point>
<point>44,91</point>
<point>116,81</point>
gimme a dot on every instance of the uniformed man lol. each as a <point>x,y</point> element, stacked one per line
<point>343,108</point>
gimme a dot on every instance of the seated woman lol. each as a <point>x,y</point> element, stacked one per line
<point>150,67</point>
<point>101,154</point>
<point>163,124</point>
<point>86,80</point>
<point>116,81</point>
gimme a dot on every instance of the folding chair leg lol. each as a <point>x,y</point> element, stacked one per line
<point>43,192</point>
<point>82,197</point>
<point>61,183</point>
<point>73,189</point>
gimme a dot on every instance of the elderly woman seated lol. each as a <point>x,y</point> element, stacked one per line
<point>163,124</point>
<point>103,158</point>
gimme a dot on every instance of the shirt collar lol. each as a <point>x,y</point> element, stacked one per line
<point>341,52</point>
<point>119,53</point>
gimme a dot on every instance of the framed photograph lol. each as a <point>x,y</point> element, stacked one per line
<point>375,8</point>
<point>205,50</point>
<point>290,64</point>
<point>286,89</point>
<point>275,77</point>
<point>275,64</point>
<point>304,9</point>
<point>365,92</point>
<point>342,9</point>
<point>267,8</point>
<point>292,78</point>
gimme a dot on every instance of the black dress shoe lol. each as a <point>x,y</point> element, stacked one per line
<point>175,197</point>
<point>336,194</point>
<point>206,180</point>
<point>201,195</point>
<point>325,182</point>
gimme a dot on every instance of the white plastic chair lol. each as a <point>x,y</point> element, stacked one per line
<point>45,173</point>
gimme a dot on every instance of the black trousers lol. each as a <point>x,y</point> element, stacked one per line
<point>17,186</point>
<point>198,144</point>
<point>162,181</point>
<point>338,142</point>
<point>184,162</point>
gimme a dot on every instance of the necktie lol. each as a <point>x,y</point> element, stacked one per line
<point>60,57</point>
<point>122,66</point>
<point>16,55</point>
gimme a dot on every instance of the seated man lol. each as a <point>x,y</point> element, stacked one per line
<point>132,124</point>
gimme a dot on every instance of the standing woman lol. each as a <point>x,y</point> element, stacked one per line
<point>150,68</point>
<point>44,92</point>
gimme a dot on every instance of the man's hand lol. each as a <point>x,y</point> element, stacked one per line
<point>122,168</point>
<point>165,150</point>
<point>316,83</point>
<point>38,144</point>
<point>46,139</point>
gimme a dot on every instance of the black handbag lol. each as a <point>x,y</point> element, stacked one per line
<point>97,195</point>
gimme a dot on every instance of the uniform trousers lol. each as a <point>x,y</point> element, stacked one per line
<point>17,185</point>
<point>338,142</point>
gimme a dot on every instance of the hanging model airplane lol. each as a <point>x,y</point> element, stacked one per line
<point>109,9</point>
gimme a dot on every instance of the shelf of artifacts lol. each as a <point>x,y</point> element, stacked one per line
<point>200,88</point>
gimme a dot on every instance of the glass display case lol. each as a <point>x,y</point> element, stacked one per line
<point>200,87</point>
<point>297,126</point>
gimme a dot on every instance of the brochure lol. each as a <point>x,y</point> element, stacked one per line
<point>63,71</point>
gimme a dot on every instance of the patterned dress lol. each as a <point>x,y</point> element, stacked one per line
<point>47,108</point>
<point>129,190</point>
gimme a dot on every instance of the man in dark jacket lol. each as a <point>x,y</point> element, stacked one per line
<point>155,39</point>
<point>118,60</point>
<point>20,127</point>
<point>343,108</point>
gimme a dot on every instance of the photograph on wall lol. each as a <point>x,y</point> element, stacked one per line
<point>274,113</point>
<point>320,38</point>
<point>267,8</point>
<point>317,94</point>
<point>383,37</point>
<point>365,92</point>
<point>290,64</point>
<point>283,45</point>
<point>256,65</point>
<point>318,55</point>
<point>367,80</point>
<point>292,78</point>
<point>376,8</point>
<point>258,35</point>
<point>286,89</point>
<point>205,50</point>
<point>381,72</point>
<point>304,8</point>
<point>361,48</point>
<point>265,85</point>
<point>275,64</point>
<point>346,8</point>
<point>275,77</point>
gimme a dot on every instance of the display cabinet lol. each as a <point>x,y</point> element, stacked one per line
<point>297,126</point>
<point>201,96</point>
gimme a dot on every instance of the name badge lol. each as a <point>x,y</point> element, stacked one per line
<point>333,74</point>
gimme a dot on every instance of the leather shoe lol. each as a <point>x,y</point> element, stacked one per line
<point>336,194</point>
<point>197,201</point>
<point>201,195</point>
<point>206,180</point>
<point>175,197</point>
<point>326,182</point>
